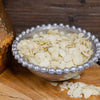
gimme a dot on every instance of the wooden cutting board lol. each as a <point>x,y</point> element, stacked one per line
<point>17,83</point>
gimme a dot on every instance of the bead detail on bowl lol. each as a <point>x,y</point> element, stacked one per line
<point>59,71</point>
<point>79,29</point>
<point>43,69</point>
<point>80,68</point>
<point>84,31</point>
<point>73,69</point>
<point>66,70</point>
<point>30,66</point>
<point>36,68</point>
<point>20,60</point>
<point>51,70</point>
<point>67,26</point>
<point>23,33</point>
<point>86,65</point>
<point>73,27</point>
<point>24,63</point>
<point>17,56</point>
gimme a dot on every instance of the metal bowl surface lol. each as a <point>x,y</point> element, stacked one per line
<point>51,73</point>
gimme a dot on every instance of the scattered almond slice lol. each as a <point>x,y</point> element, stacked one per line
<point>54,83</point>
<point>76,77</point>
<point>79,89</point>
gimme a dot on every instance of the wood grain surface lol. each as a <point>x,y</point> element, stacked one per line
<point>17,83</point>
<point>81,13</point>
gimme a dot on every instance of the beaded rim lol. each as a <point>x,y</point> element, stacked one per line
<point>58,70</point>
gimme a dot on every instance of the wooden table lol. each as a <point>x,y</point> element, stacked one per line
<point>17,83</point>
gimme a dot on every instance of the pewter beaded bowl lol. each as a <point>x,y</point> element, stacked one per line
<point>51,73</point>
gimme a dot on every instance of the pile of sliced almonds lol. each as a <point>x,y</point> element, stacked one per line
<point>56,49</point>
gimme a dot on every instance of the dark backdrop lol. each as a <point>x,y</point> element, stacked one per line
<point>81,13</point>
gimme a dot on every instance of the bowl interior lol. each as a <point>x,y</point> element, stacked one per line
<point>65,29</point>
